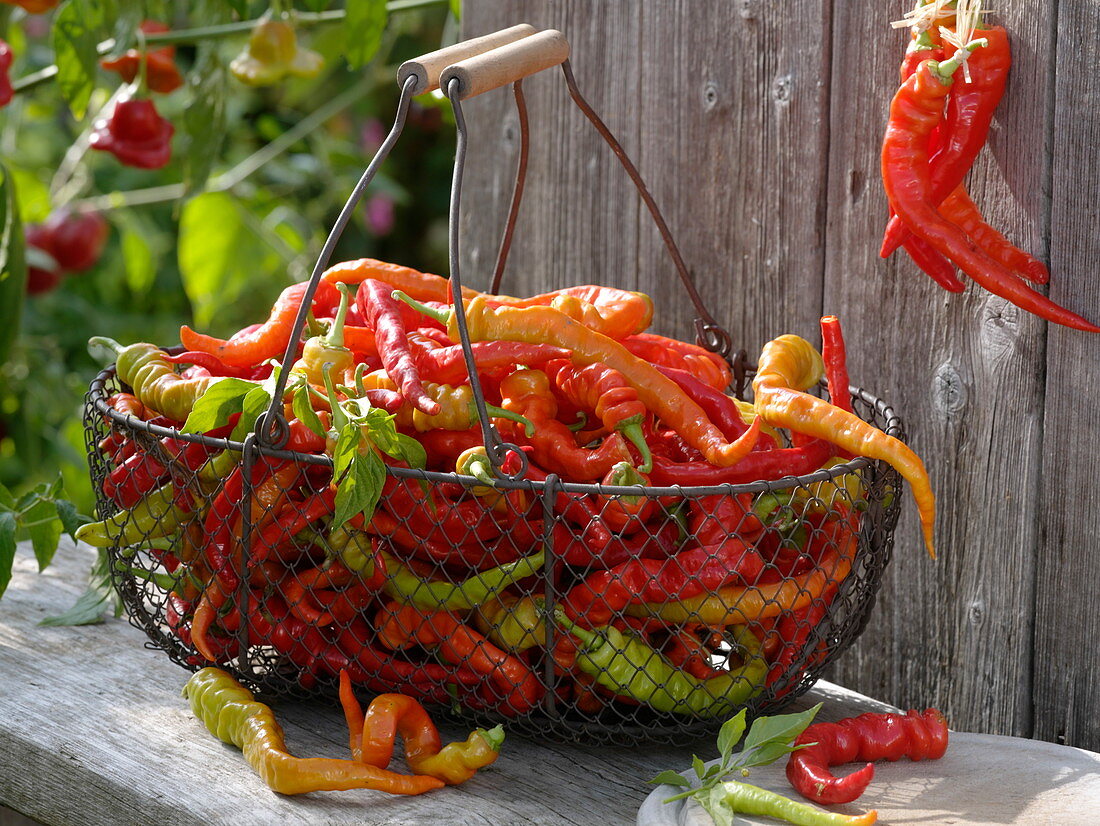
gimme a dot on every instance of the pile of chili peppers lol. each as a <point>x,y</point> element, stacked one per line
<point>470,588</point>
<point>953,76</point>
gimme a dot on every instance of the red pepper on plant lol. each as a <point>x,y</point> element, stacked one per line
<point>43,272</point>
<point>135,134</point>
<point>161,74</point>
<point>76,240</point>
<point>33,6</point>
<point>6,91</point>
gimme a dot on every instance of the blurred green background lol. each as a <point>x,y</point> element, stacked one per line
<point>217,257</point>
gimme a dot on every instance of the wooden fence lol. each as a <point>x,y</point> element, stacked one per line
<point>757,125</point>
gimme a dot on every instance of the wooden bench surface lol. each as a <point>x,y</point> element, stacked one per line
<point>93,730</point>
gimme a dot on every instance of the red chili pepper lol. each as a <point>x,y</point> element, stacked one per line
<point>517,687</point>
<point>385,315</point>
<point>866,737</point>
<point>690,572</point>
<point>938,268</point>
<point>610,396</point>
<point>75,239</point>
<point>793,630</point>
<point>161,74</point>
<point>135,134</point>
<point>710,367</point>
<point>626,514</point>
<point>961,210</point>
<point>217,367</point>
<point>965,128</point>
<point>764,464</point>
<point>527,392</point>
<point>574,549</point>
<point>916,109</point>
<point>834,355</point>
<point>720,408</point>
<point>447,365</point>
<point>268,340</point>
<point>445,446</point>
<point>294,518</point>
<point>578,509</point>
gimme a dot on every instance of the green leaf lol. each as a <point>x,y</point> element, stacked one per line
<point>730,735</point>
<point>97,599</point>
<point>7,501</point>
<point>781,728</point>
<point>13,270</point>
<point>70,518</point>
<point>348,441</point>
<point>364,24</point>
<point>78,27</point>
<point>456,8</point>
<point>767,753</point>
<point>204,119</point>
<point>714,801</point>
<point>7,548</point>
<point>670,778</point>
<point>220,401</point>
<point>315,5</point>
<point>34,195</point>
<point>305,412</point>
<point>141,273</point>
<point>44,529</point>
<point>218,253</point>
<point>256,401</point>
<point>360,474</point>
<point>698,766</point>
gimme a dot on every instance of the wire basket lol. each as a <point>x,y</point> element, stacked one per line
<point>579,611</point>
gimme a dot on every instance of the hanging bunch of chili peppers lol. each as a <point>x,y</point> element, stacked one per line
<point>687,604</point>
<point>953,76</point>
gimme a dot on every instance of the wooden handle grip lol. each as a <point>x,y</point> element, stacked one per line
<point>426,68</point>
<point>507,64</point>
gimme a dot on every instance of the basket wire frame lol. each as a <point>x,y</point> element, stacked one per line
<point>280,639</point>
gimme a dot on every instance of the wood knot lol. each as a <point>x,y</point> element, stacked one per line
<point>781,89</point>
<point>710,95</point>
<point>949,390</point>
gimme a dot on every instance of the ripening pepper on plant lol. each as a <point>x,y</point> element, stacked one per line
<point>33,6</point>
<point>135,134</point>
<point>161,73</point>
<point>272,54</point>
<point>76,240</point>
<point>6,90</point>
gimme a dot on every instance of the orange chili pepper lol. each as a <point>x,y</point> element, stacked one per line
<point>788,366</point>
<point>420,285</point>
<point>613,312</point>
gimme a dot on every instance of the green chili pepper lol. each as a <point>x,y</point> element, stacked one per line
<point>153,379</point>
<point>437,595</point>
<point>743,798</point>
<point>628,666</point>
<point>155,516</point>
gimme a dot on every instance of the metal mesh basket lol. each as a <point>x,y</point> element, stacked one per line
<point>573,610</point>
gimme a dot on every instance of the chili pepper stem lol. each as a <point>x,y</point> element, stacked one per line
<point>335,335</point>
<point>945,69</point>
<point>632,430</point>
<point>339,417</point>
<point>442,316</point>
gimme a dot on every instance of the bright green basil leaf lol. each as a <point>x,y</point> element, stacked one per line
<point>44,529</point>
<point>97,599</point>
<point>363,26</point>
<point>255,402</point>
<point>766,753</point>
<point>7,548</point>
<point>7,501</point>
<point>359,490</point>
<point>220,401</point>
<point>305,412</point>
<point>730,735</point>
<point>781,728</point>
<point>13,270</point>
<point>670,778</point>
<point>78,27</point>
<point>348,442</point>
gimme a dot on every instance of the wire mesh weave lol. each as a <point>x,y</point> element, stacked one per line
<point>296,617</point>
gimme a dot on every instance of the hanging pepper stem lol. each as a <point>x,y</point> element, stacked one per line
<point>339,417</point>
<point>335,335</point>
<point>945,69</point>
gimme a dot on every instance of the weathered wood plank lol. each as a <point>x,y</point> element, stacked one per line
<point>93,732</point>
<point>1066,676</point>
<point>964,372</point>
<point>580,216</point>
<point>734,145</point>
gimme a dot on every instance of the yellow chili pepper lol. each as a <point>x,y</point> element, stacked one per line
<point>789,365</point>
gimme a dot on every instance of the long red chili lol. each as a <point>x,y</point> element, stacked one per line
<point>916,109</point>
<point>720,408</point>
<point>834,355</point>
<point>965,127</point>
<point>934,265</point>
<point>217,367</point>
<point>866,737</point>
<point>764,464</point>
<point>384,315</point>
<point>447,365</point>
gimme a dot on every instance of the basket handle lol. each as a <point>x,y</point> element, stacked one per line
<point>507,64</point>
<point>427,68</point>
